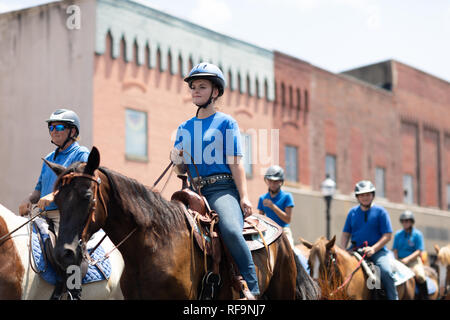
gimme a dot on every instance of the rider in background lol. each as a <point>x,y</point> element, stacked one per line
<point>371,223</point>
<point>213,139</point>
<point>64,129</point>
<point>276,203</point>
<point>408,246</point>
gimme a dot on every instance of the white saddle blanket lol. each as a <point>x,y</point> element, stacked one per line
<point>401,272</point>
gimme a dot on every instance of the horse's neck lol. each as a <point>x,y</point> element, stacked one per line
<point>345,261</point>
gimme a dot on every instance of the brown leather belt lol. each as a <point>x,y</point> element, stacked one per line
<point>201,182</point>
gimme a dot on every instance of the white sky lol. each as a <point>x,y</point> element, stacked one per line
<point>336,35</point>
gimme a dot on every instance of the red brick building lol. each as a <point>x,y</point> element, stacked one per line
<point>387,117</point>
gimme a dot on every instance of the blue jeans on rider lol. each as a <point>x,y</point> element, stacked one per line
<point>382,259</point>
<point>223,197</point>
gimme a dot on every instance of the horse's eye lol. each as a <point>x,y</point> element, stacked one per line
<point>88,195</point>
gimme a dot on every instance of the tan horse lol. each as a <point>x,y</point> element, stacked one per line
<point>19,281</point>
<point>331,266</point>
<point>443,263</point>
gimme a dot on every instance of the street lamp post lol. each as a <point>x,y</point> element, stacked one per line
<point>328,188</point>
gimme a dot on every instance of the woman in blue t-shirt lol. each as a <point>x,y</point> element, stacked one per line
<point>212,140</point>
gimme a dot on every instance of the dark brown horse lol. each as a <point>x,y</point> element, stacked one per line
<point>161,260</point>
<point>331,266</point>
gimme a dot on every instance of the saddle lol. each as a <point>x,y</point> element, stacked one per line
<point>43,243</point>
<point>259,231</point>
<point>401,273</point>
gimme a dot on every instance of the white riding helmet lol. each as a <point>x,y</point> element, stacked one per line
<point>364,186</point>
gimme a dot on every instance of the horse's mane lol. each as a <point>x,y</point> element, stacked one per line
<point>147,208</point>
<point>328,286</point>
<point>444,255</point>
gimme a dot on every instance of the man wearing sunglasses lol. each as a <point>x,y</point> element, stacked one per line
<point>64,128</point>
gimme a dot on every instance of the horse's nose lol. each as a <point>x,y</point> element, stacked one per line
<point>66,257</point>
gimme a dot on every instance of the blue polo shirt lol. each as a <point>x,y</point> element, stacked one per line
<point>367,225</point>
<point>282,200</point>
<point>209,141</point>
<point>407,242</point>
<point>47,179</point>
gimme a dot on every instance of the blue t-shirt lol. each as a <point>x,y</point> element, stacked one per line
<point>367,225</point>
<point>282,200</point>
<point>209,141</point>
<point>406,243</point>
<point>47,179</point>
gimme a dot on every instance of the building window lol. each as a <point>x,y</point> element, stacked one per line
<point>291,166</point>
<point>408,190</point>
<point>380,181</point>
<point>330,166</point>
<point>448,196</point>
<point>136,135</point>
<point>247,158</point>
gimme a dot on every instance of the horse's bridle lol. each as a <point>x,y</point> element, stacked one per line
<point>331,265</point>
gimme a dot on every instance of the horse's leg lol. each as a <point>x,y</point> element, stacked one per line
<point>410,289</point>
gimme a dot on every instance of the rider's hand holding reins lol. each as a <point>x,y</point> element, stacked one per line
<point>176,156</point>
<point>26,205</point>
<point>238,172</point>
<point>46,201</point>
<point>246,207</point>
<point>369,251</point>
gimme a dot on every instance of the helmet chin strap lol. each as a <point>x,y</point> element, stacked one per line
<point>61,147</point>
<point>206,104</point>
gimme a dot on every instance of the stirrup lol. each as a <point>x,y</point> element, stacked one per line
<point>210,285</point>
<point>244,291</point>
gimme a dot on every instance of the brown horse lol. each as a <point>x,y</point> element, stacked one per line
<point>331,266</point>
<point>161,260</point>
<point>443,263</point>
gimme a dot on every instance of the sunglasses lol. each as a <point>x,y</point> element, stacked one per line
<point>58,127</point>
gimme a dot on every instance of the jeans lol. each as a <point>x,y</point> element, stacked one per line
<point>223,197</point>
<point>382,259</point>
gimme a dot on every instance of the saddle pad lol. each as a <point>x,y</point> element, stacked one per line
<point>401,272</point>
<point>47,272</point>
<point>303,260</point>
<point>431,286</point>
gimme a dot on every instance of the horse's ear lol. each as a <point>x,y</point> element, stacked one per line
<point>93,161</point>
<point>436,247</point>
<point>306,243</point>
<point>57,168</point>
<point>330,243</point>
